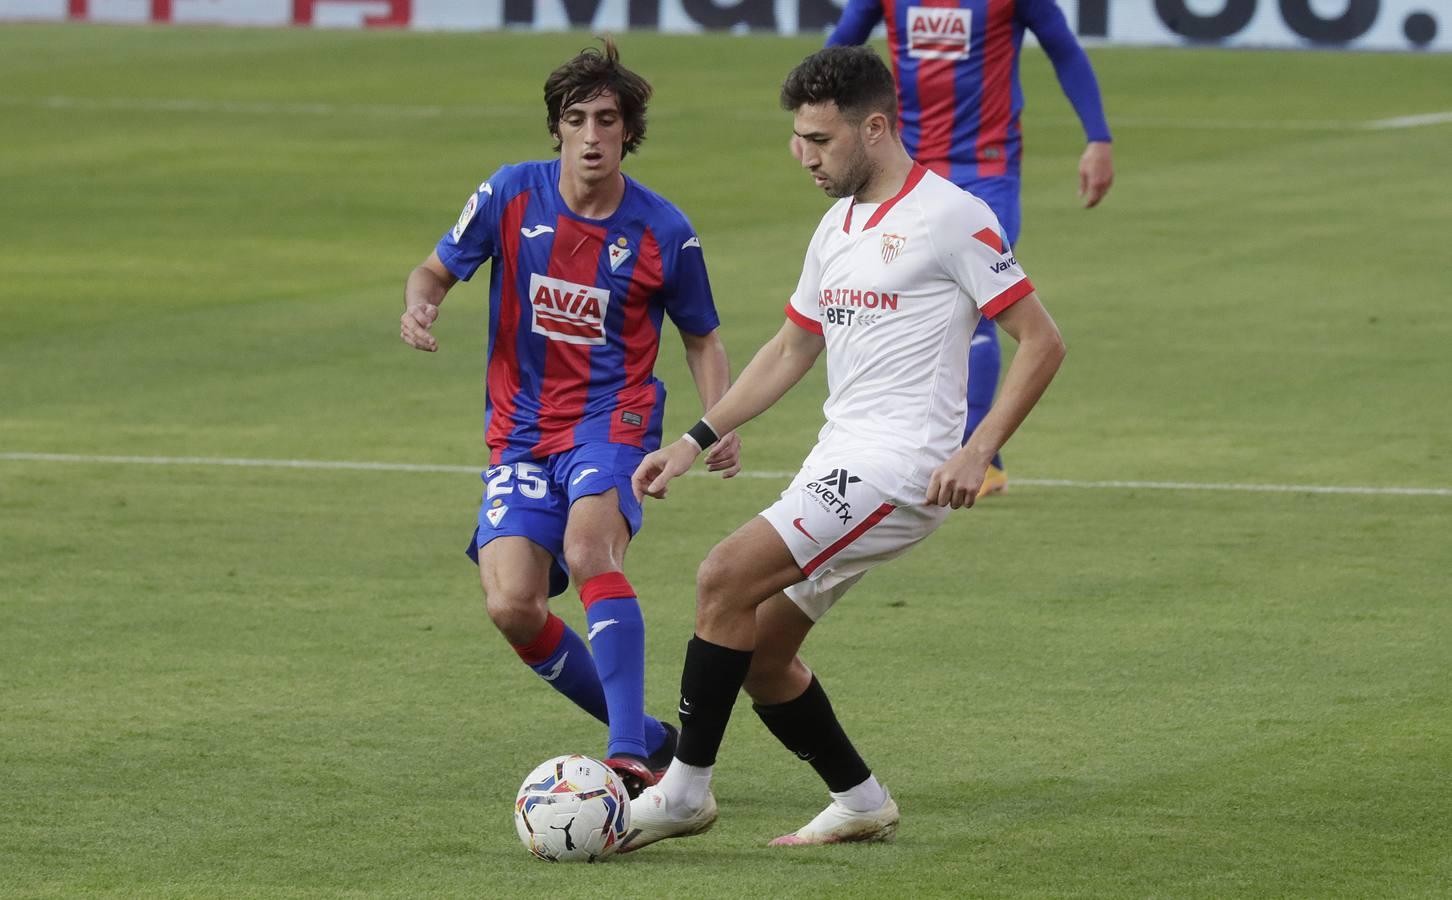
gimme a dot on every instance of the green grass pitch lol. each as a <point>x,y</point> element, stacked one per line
<point>239,682</point>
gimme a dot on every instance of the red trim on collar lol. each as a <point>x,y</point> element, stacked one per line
<point>914,176</point>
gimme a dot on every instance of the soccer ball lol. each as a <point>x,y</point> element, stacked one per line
<point>572,808</point>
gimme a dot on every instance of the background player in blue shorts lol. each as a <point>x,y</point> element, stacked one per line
<point>585,265</point>
<point>959,99</point>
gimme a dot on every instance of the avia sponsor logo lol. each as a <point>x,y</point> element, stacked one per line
<point>830,492</point>
<point>840,306</point>
<point>938,33</point>
<point>568,312</point>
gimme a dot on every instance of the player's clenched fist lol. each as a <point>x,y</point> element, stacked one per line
<point>414,325</point>
<point>657,469</point>
<point>956,482</point>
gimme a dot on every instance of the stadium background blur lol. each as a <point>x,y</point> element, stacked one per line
<point>1226,676</point>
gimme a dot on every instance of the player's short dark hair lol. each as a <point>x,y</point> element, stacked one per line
<point>588,75</point>
<point>854,78</point>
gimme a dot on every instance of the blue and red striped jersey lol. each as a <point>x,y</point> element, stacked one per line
<point>956,67</point>
<point>575,310</point>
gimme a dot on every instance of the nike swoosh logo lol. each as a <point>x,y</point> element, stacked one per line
<point>599,627</point>
<point>581,477</point>
<point>797,524</point>
<point>685,707</point>
<point>559,667</point>
<point>536,231</point>
<point>691,241</point>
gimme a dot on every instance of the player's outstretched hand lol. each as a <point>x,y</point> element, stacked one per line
<point>725,455</point>
<point>414,325</point>
<point>1096,172</point>
<point>657,469</point>
<point>956,482</point>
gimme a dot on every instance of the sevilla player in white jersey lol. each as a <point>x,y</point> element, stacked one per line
<point>895,280</point>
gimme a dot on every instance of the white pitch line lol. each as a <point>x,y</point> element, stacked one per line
<point>1228,486</point>
<point>750,473</point>
<point>1441,118</point>
<point>262,108</point>
<point>432,111</point>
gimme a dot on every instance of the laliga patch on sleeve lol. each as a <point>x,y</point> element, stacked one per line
<point>466,216</point>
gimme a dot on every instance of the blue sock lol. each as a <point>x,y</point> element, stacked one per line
<point>560,657</point>
<point>617,638</point>
<point>983,365</point>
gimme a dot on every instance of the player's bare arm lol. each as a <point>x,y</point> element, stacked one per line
<point>780,363</point>
<point>1096,172</point>
<point>711,370</point>
<point>1040,351</point>
<point>422,293</point>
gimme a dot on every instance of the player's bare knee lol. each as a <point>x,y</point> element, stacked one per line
<point>518,615</point>
<point>717,588</point>
<point>588,558</point>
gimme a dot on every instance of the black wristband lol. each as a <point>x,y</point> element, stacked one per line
<point>703,434</point>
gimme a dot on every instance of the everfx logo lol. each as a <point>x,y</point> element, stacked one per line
<point>840,478</point>
<point>830,491</point>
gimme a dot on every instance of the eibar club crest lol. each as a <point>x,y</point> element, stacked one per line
<point>892,245</point>
<point>618,253</point>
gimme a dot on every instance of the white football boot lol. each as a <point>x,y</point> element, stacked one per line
<point>651,820</point>
<point>839,825</point>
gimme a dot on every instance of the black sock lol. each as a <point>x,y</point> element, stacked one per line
<point>710,681</point>
<point>809,728</point>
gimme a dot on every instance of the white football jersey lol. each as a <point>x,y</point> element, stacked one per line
<point>896,289</point>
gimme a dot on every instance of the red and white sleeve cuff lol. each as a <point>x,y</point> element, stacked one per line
<point>802,321</point>
<point>1008,298</point>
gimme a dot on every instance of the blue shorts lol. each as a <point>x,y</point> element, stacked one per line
<point>532,498</point>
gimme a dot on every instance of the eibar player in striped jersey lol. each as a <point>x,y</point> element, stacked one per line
<point>898,273</point>
<point>955,63</point>
<point>585,264</point>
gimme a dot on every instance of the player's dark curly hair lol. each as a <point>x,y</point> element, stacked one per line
<point>854,78</point>
<point>585,77</point>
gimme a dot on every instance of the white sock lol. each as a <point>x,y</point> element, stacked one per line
<point>686,786</point>
<point>865,797</point>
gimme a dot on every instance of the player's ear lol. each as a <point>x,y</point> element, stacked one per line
<point>875,127</point>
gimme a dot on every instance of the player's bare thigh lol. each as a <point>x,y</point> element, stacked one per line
<point>777,673</point>
<point>515,573</point>
<point>742,571</point>
<point>596,537</point>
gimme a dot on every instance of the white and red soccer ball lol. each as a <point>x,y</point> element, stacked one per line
<point>572,809</point>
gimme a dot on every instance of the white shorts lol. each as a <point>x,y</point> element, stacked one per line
<point>841,516</point>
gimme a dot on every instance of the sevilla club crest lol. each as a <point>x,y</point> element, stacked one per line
<point>892,245</point>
